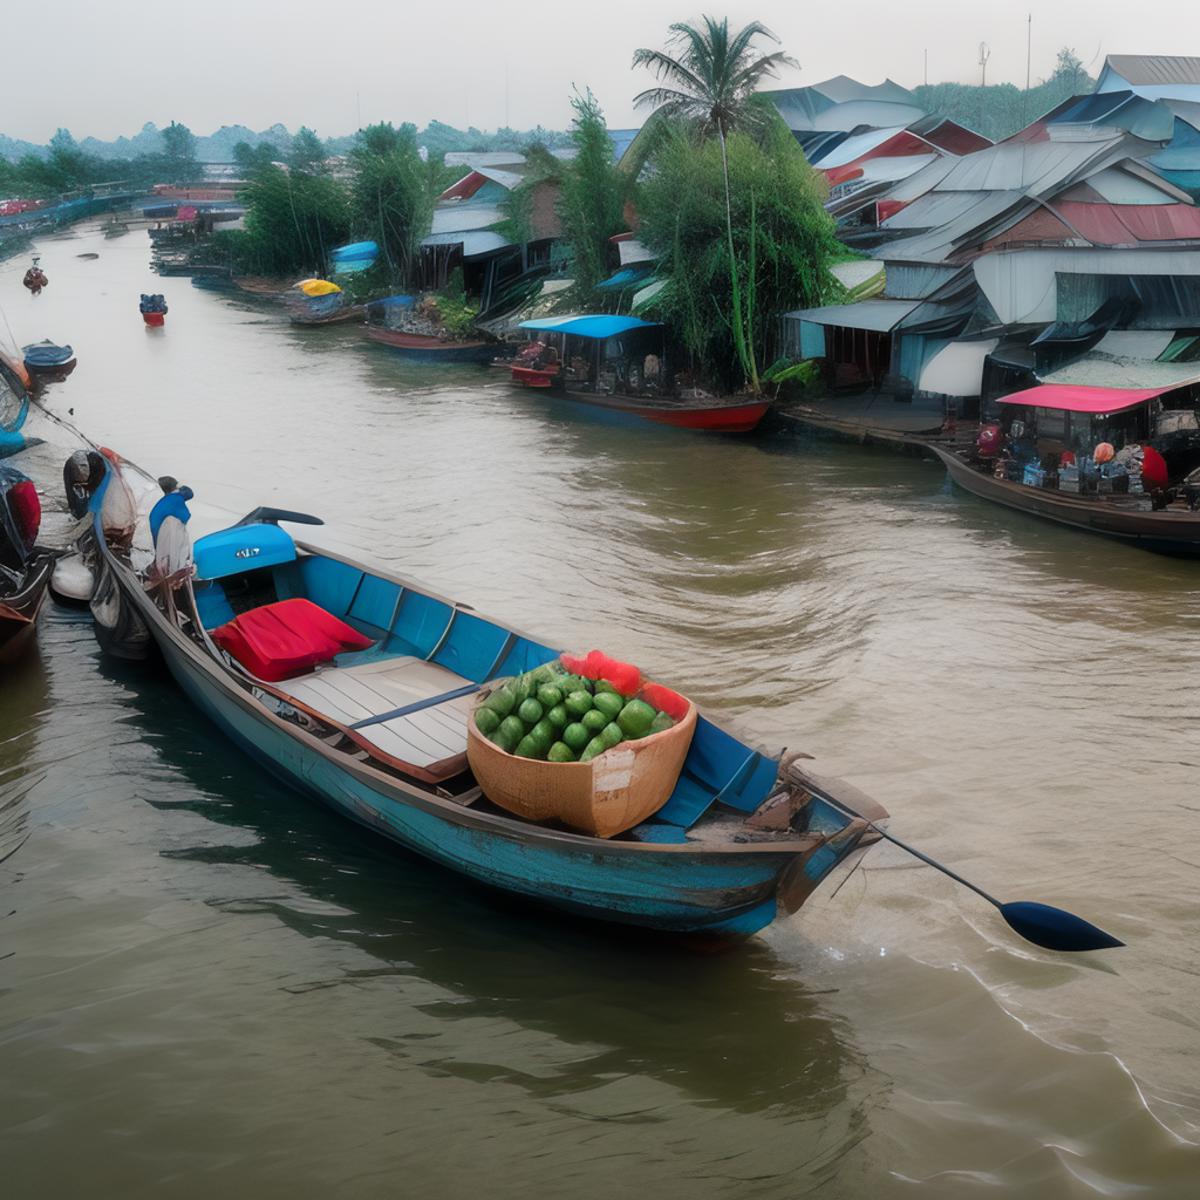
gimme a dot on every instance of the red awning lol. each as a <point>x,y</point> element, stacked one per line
<point>1071,398</point>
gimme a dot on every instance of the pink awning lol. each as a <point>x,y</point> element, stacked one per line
<point>1077,398</point>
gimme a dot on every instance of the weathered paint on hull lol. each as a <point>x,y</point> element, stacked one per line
<point>19,612</point>
<point>725,418</point>
<point>731,895</point>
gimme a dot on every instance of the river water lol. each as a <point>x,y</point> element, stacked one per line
<point>211,986</point>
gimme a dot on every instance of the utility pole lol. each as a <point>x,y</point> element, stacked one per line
<point>984,54</point>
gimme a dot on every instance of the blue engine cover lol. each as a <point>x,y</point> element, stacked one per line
<point>242,548</point>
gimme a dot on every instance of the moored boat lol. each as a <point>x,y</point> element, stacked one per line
<point>153,309</point>
<point>380,733</point>
<point>24,569</point>
<point>48,358</point>
<point>1124,463</point>
<point>424,347</point>
<point>614,364</point>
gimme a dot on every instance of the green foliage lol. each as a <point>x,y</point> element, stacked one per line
<point>252,159</point>
<point>293,221</point>
<point>999,110</point>
<point>783,241</point>
<point>179,153</point>
<point>456,311</point>
<point>591,202</point>
<point>307,153</point>
<point>392,194</point>
<point>517,206</point>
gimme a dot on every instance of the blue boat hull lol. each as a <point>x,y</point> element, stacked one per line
<point>677,892</point>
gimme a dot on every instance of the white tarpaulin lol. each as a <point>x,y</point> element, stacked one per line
<point>1134,343</point>
<point>632,251</point>
<point>957,369</point>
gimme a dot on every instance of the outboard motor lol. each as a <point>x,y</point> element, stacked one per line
<point>82,473</point>
<point>20,521</point>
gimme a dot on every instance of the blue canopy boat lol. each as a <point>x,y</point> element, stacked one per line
<point>380,734</point>
<point>14,408</point>
<point>47,356</point>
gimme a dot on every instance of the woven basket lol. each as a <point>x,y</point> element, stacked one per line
<point>613,792</point>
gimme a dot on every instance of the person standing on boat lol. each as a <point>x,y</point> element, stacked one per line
<point>35,278</point>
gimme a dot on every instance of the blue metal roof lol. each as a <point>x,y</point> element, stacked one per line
<point>598,325</point>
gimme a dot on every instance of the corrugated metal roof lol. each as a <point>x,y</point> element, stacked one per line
<point>474,242</point>
<point>506,179</point>
<point>457,218</point>
<point>1122,187</point>
<point>957,369</point>
<point>1153,69</point>
<point>877,316</point>
<point>858,144</point>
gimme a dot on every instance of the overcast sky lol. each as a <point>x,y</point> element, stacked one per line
<point>104,67</point>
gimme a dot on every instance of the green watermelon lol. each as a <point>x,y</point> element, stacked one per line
<point>576,736</point>
<point>661,723</point>
<point>636,718</point>
<point>529,747</point>
<point>560,752</point>
<point>558,716</point>
<point>502,701</point>
<point>530,711</point>
<point>578,703</point>
<point>486,721</point>
<point>611,735</point>
<point>593,720</point>
<point>548,695</point>
<point>595,747</point>
<point>609,703</point>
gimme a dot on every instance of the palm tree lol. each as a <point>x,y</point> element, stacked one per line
<point>709,81</point>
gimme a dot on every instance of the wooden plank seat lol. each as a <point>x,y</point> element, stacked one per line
<point>410,713</point>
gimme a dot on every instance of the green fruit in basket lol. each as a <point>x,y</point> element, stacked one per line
<point>530,711</point>
<point>548,695</point>
<point>530,747</point>
<point>509,733</point>
<point>558,716</point>
<point>611,735</point>
<point>609,703</point>
<point>502,701</point>
<point>592,749</point>
<point>545,673</point>
<point>593,720</point>
<point>523,687</point>
<point>588,685</point>
<point>661,723</point>
<point>560,752</point>
<point>486,721</point>
<point>578,703</point>
<point>604,688</point>
<point>576,736</point>
<point>636,718</point>
<point>545,732</point>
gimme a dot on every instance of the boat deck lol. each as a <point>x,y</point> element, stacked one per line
<point>870,416</point>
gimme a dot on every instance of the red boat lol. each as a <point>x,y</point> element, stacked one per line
<point>622,352</point>
<point>154,319</point>
<point>153,309</point>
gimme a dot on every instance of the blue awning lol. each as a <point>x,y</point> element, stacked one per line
<point>599,325</point>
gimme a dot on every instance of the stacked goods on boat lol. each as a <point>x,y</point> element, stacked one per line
<point>153,308</point>
<point>583,741</point>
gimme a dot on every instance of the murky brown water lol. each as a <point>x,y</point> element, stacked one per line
<point>213,987</point>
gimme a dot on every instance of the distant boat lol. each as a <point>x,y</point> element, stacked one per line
<point>153,309</point>
<point>598,361</point>
<point>48,358</point>
<point>426,348</point>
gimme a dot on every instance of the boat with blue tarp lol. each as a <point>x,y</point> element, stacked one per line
<point>48,358</point>
<point>359,691</point>
<point>618,365</point>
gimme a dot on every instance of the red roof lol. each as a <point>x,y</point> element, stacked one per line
<point>1121,224</point>
<point>1070,398</point>
<point>465,188</point>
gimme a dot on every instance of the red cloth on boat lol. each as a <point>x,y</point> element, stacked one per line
<point>287,638</point>
<point>1154,469</point>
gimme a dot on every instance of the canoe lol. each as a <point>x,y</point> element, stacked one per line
<point>1174,530</point>
<point>339,316</point>
<point>380,735</point>
<point>423,348</point>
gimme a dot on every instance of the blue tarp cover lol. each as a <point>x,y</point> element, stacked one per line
<point>356,250</point>
<point>599,325</point>
<point>627,277</point>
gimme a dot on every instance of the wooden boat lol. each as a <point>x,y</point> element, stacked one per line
<point>15,383</point>
<point>24,569</point>
<point>338,316</point>
<point>614,349</point>
<point>424,348</point>
<point>380,735</point>
<point>1051,418</point>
